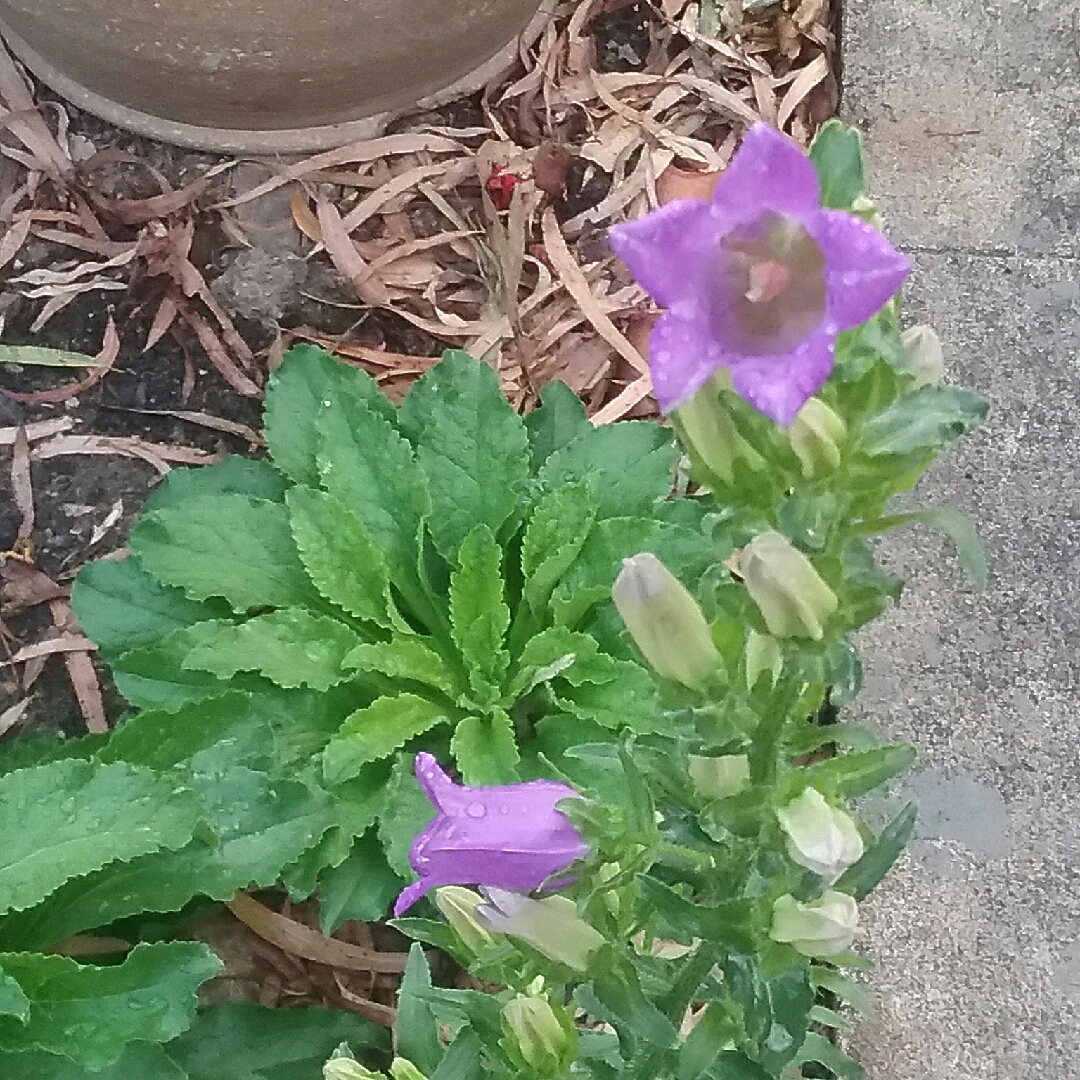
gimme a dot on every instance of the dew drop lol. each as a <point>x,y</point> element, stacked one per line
<point>476,810</point>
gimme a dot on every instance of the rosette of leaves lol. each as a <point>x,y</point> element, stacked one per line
<point>434,575</point>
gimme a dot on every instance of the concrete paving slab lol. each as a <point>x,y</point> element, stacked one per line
<point>972,120</point>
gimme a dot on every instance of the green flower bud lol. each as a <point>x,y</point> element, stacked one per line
<point>926,358</point>
<point>665,622</point>
<point>400,1069</point>
<point>786,588</point>
<point>822,927</point>
<point>710,435</point>
<point>458,906</point>
<point>816,437</point>
<point>819,836</point>
<point>551,926</point>
<point>344,1068</point>
<point>762,654</point>
<point>720,777</point>
<point>546,1045</point>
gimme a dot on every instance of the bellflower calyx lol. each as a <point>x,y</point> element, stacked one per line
<point>510,836</point>
<point>822,927</point>
<point>759,280</point>
<point>819,836</point>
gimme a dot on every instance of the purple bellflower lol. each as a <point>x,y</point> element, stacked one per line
<point>510,836</point>
<point>758,281</point>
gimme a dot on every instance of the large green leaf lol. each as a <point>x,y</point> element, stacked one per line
<point>417,1032</point>
<point>361,887</point>
<point>867,874</point>
<point>340,556</point>
<point>234,546</point>
<point>485,749</point>
<point>478,612</point>
<point>66,819</point>
<point>310,382</point>
<point>928,418</point>
<point>837,156</point>
<point>139,1061</point>
<point>13,1002</point>
<point>553,538</point>
<point>121,607</point>
<point>559,420</point>
<point>233,476</point>
<point>244,1041</point>
<point>368,467</point>
<point>404,659</point>
<point>472,446</point>
<point>628,466</point>
<point>91,1013</point>
<point>291,647</point>
<point>377,731</point>
<point>854,774</point>
<point>259,824</point>
<point>38,748</point>
<point>405,813</point>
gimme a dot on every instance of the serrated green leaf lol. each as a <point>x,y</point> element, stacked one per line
<point>377,731</point>
<point>91,1013</point>
<point>405,658</point>
<point>37,748</point>
<point>928,418</point>
<point>618,992</point>
<point>273,1044</point>
<point>867,874</point>
<point>153,677</point>
<point>478,613</point>
<point>139,1061</point>
<point>470,443</point>
<point>368,467</point>
<point>559,420</point>
<point>234,546</point>
<point>361,887</point>
<point>233,476</point>
<point>308,383</point>
<point>405,813</point>
<point>850,775</point>
<point>66,819</point>
<point>260,825</point>
<point>417,1032</point>
<point>628,466</point>
<point>615,693</point>
<point>121,607</point>
<point>485,749</point>
<point>340,556</point>
<point>837,156</point>
<point>546,655</point>
<point>553,538</point>
<point>291,647</point>
<point>13,1002</point>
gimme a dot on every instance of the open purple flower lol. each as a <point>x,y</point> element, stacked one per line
<point>758,281</point>
<point>511,836</point>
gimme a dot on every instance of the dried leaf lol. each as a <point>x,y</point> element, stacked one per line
<point>22,488</point>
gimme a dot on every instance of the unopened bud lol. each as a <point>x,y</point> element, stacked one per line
<point>822,927</point>
<point>551,926</point>
<point>344,1068</point>
<point>710,434</point>
<point>819,836</point>
<point>762,654</point>
<point>665,622</point>
<point>926,358</point>
<point>720,777</point>
<point>458,906</point>
<point>816,437</point>
<point>786,588</point>
<point>401,1069</point>
<point>545,1045</point>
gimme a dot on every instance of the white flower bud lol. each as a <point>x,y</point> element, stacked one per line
<point>720,777</point>
<point>710,435</point>
<point>926,358</point>
<point>816,437</point>
<point>822,927</point>
<point>545,1045</point>
<point>786,588</point>
<point>551,926</point>
<point>402,1069</point>
<point>665,622</point>
<point>344,1068</point>
<point>762,654</point>
<point>820,837</point>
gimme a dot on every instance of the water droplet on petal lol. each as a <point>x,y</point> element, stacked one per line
<point>476,810</point>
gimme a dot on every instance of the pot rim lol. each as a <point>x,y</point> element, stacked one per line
<point>266,142</point>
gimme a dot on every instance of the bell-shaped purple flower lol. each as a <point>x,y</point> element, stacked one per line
<point>758,281</point>
<point>511,836</point>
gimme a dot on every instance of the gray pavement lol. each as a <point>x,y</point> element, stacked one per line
<point>972,118</point>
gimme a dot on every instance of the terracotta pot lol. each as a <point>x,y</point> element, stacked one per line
<point>261,76</point>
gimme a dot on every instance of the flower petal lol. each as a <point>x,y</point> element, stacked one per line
<point>671,250</point>
<point>768,172</point>
<point>780,385</point>
<point>444,794</point>
<point>683,355</point>
<point>409,895</point>
<point>862,269</point>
